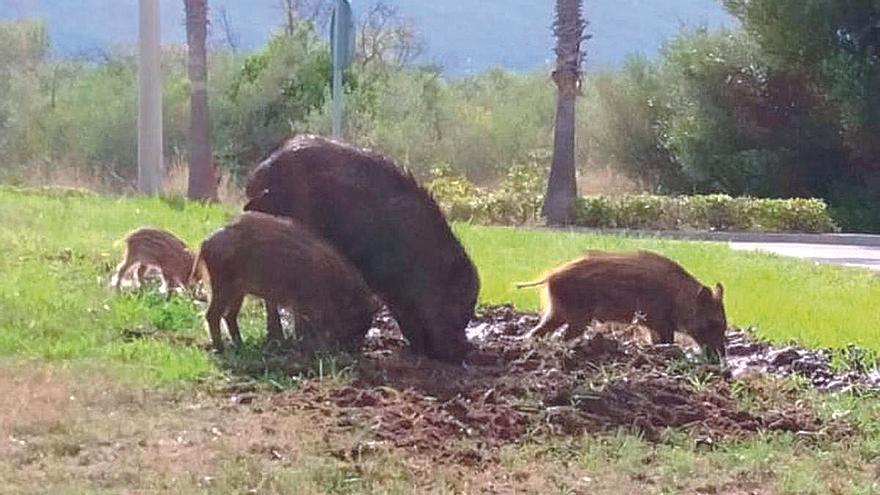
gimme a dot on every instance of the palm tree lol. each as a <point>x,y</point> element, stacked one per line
<point>562,185</point>
<point>202,175</point>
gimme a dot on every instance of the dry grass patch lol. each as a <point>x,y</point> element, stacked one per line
<point>79,429</point>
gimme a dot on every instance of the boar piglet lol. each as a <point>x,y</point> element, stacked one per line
<point>285,264</point>
<point>609,286</point>
<point>154,249</point>
<point>386,225</point>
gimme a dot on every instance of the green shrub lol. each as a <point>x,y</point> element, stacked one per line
<point>705,212</point>
<point>517,199</point>
<point>456,195</point>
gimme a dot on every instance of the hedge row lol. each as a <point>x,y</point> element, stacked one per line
<point>517,200</point>
<point>708,212</point>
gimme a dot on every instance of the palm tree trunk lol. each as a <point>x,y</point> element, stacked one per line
<point>562,185</point>
<point>202,175</point>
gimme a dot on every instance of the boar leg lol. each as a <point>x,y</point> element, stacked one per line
<point>549,322</point>
<point>179,286</point>
<point>164,287</point>
<point>140,274</point>
<point>231,319</point>
<point>220,301</point>
<point>575,329</point>
<point>122,270</point>
<point>274,330</point>
<point>412,330</point>
<point>449,348</point>
<point>664,331</point>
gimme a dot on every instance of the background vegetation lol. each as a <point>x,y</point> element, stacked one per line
<point>785,106</point>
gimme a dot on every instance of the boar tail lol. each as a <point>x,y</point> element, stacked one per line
<point>199,271</point>
<point>531,284</point>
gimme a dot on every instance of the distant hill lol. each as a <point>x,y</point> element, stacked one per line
<point>463,35</point>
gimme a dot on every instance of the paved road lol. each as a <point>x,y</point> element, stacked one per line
<point>859,250</point>
<point>859,256</point>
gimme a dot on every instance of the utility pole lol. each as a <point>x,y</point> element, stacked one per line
<point>342,45</point>
<point>150,150</point>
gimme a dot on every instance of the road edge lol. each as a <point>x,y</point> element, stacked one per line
<point>775,237</point>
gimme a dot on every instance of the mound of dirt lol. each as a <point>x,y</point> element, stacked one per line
<point>610,378</point>
<point>747,356</point>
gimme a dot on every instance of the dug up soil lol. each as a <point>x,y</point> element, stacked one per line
<point>515,389</point>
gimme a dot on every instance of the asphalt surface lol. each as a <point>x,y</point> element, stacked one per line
<point>857,250</point>
<point>839,254</point>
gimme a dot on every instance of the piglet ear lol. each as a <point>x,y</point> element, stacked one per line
<point>719,291</point>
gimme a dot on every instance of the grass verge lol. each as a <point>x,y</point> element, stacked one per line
<point>59,253</point>
<point>87,422</point>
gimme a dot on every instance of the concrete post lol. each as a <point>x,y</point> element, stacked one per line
<point>338,48</point>
<point>150,150</point>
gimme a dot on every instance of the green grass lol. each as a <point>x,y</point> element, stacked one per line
<point>786,299</point>
<point>58,254</point>
<point>55,306</point>
<point>54,298</point>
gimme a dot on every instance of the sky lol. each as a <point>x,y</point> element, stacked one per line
<point>464,36</point>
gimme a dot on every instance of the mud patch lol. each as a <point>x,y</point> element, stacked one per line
<point>513,389</point>
<point>746,356</point>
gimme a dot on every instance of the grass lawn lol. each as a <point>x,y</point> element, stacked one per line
<point>785,299</point>
<point>88,408</point>
<point>60,250</point>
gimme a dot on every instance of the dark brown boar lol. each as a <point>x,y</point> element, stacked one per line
<point>617,286</point>
<point>154,249</point>
<point>387,225</point>
<point>284,263</point>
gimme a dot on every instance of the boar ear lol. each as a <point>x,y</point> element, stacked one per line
<point>719,291</point>
<point>705,296</point>
<point>251,204</point>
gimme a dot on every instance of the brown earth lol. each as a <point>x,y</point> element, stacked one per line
<point>396,417</point>
<point>514,389</point>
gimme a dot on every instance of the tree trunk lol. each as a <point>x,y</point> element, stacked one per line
<point>561,194</point>
<point>562,184</point>
<point>202,175</point>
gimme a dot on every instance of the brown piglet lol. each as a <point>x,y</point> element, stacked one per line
<point>608,286</point>
<point>154,249</point>
<point>284,263</point>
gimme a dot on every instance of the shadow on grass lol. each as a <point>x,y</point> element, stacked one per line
<point>177,320</point>
<point>282,366</point>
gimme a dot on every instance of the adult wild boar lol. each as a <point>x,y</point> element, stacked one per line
<point>386,224</point>
<point>616,286</point>
<point>287,265</point>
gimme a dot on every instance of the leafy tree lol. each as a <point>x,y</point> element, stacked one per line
<point>272,92</point>
<point>835,46</point>
<point>23,51</point>
<point>625,123</point>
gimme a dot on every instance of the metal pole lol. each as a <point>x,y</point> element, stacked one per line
<point>337,105</point>
<point>150,159</point>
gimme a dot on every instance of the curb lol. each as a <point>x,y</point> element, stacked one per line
<point>868,240</point>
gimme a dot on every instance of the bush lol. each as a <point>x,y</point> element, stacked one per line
<point>517,200</point>
<point>716,212</point>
